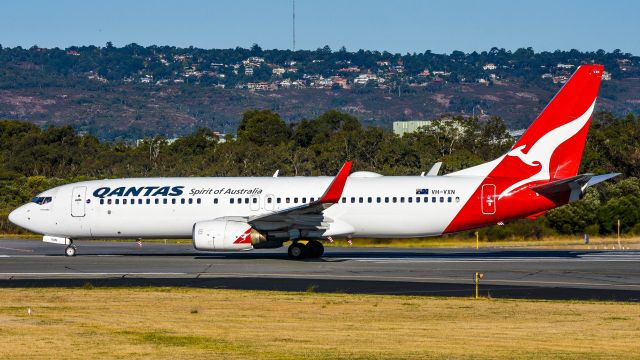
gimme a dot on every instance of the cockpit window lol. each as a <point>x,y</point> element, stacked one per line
<point>41,200</point>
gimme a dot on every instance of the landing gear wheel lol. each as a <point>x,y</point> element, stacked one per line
<point>70,250</point>
<point>297,251</point>
<point>316,249</point>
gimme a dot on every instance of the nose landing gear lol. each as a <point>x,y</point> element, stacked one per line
<point>70,250</point>
<point>312,249</point>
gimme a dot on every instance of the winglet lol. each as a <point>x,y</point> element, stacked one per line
<point>435,169</point>
<point>334,191</point>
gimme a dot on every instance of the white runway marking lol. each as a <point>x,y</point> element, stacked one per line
<point>618,257</point>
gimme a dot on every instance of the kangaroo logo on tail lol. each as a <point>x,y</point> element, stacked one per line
<point>539,154</point>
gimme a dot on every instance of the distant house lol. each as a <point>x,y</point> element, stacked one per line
<point>73,53</point>
<point>285,84</point>
<point>565,66</point>
<point>606,76</point>
<point>560,79</point>
<point>483,81</point>
<point>340,81</point>
<point>547,76</point>
<point>364,79</point>
<point>350,69</point>
<point>404,127</point>
<point>489,66</point>
<point>248,71</point>
<point>279,71</point>
<point>424,73</point>
<point>440,73</point>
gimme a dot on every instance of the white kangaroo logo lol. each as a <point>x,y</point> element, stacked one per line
<point>541,151</point>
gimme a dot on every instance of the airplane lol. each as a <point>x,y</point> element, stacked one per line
<point>539,173</point>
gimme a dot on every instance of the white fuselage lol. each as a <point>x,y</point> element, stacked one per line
<point>371,205</point>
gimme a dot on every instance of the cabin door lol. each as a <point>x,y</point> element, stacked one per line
<point>78,200</point>
<point>488,199</point>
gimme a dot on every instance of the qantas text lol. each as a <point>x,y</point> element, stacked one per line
<point>139,191</point>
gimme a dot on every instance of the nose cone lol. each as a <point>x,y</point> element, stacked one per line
<point>18,216</point>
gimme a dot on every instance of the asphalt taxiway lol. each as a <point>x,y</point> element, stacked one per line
<point>509,273</point>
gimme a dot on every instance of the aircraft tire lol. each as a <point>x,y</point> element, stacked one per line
<point>297,251</point>
<point>316,249</point>
<point>70,251</point>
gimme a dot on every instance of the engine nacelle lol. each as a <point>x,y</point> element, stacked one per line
<point>226,234</point>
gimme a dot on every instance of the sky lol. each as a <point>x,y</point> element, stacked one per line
<point>396,26</point>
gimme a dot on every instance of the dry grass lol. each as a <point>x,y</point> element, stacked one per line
<point>180,323</point>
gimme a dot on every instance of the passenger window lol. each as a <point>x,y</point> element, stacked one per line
<point>215,201</point>
<point>304,200</point>
<point>148,201</point>
<point>360,200</point>
<point>449,199</point>
<point>139,201</point>
<point>182,201</point>
<point>433,199</point>
<point>311,200</point>
<point>353,200</point>
<point>246,200</point>
<point>402,199</point>
<point>109,202</point>
<point>269,200</point>
<point>295,200</point>
<point>287,200</point>
<point>164,201</point>
<point>254,200</point>
<point>173,201</point>
<point>278,200</point>
<point>344,199</point>
<point>417,199</point>
<point>124,201</point>
<point>190,201</point>
<point>157,201</point>
<point>369,200</point>
<point>457,198</point>
<point>117,201</point>
<point>378,199</point>
<point>410,199</point>
<point>231,201</point>
<point>395,199</point>
<point>101,201</point>
<point>386,199</point>
<point>441,199</point>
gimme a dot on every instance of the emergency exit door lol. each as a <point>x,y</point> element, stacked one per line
<point>78,200</point>
<point>488,199</point>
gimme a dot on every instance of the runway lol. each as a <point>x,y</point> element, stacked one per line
<point>538,274</point>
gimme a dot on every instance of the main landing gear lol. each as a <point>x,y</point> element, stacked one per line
<point>312,249</point>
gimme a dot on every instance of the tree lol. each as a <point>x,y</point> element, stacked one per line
<point>263,127</point>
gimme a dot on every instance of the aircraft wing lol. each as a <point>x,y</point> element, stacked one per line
<point>305,216</point>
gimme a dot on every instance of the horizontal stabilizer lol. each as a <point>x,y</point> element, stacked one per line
<point>600,178</point>
<point>575,185</point>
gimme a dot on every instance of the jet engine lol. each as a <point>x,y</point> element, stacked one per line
<point>227,234</point>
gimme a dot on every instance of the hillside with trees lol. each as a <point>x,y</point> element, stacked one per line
<point>34,159</point>
<point>132,92</point>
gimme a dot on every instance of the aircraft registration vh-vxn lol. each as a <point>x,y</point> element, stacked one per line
<point>231,213</point>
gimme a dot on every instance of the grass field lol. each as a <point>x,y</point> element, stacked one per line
<point>177,323</point>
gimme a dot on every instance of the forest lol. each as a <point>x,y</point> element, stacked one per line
<point>33,159</point>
